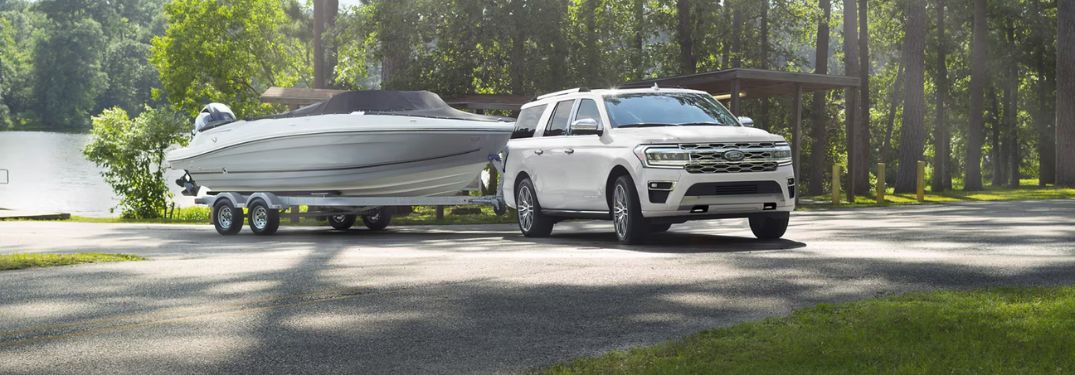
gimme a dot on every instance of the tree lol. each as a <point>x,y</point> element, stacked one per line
<point>1065,93</point>
<point>972,179</point>
<point>819,137</point>
<point>131,153</point>
<point>68,50</point>
<point>941,139</point>
<point>913,132</point>
<point>226,51</point>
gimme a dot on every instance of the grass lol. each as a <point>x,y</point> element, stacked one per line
<point>995,331</point>
<point>20,261</point>
<point>1028,190</point>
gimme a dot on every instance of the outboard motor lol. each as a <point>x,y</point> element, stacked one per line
<point>213,115</point>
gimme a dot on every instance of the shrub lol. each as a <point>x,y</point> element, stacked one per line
<point>131,151</point>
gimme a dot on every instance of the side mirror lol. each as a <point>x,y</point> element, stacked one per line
<point>585,126</point>
<point>746,121</point>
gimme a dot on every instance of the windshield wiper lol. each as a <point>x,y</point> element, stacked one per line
<point>700,123</point>
<point>644,125</point>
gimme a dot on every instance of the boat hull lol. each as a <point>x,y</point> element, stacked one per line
<point>350,155</point>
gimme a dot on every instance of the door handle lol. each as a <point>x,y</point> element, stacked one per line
<point>569,151</point>
<point>539,151</point>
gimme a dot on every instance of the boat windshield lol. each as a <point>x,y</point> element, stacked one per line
<point>666,109</point>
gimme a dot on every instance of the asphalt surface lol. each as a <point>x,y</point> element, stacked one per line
<point>479,299</point>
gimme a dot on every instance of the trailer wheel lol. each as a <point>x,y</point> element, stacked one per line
<point>264,221</point>
<point>378,220</point>
<point>227,219</point>
<point>341,222</point>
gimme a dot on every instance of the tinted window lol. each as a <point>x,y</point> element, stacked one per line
<point>588,109</point>
<point>666,109</point>
<point>527,122</point>
<point>558,123</point>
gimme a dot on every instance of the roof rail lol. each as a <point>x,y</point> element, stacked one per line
<point>563,92</point>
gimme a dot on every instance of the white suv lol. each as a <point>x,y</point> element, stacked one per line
<point>647,159</point>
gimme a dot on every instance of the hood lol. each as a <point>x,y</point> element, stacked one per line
<point>695,134</point>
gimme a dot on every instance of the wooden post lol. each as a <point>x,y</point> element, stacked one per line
<point>881,183</point>
<point>440,212</point>
<point>294,214</point>
<point>835,184</point>
<point>796,133</point>
<point>735,98</point>
<point>921,181</point>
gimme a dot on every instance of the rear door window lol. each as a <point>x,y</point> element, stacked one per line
<point>558,121</point>
<point>527,123</point>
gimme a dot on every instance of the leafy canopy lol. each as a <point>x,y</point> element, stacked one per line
<point>226,50</point>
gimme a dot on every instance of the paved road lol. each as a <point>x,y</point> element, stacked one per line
<point>479,299</point>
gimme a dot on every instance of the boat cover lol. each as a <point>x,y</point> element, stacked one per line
<point>402,103</point>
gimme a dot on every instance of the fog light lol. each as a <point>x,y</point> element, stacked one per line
<point>660,185</point>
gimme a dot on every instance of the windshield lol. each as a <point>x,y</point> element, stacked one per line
<point>666,109</point>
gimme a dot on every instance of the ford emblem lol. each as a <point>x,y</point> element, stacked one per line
<point>734,155</point>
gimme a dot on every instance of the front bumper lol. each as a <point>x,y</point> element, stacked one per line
<point>709,195</point>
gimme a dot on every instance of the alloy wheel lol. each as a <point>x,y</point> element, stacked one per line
<point>620,211</point>
<point>526,208</point>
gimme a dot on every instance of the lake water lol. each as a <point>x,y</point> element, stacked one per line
<point>47,172</point>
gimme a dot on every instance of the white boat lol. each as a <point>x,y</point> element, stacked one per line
<point>358,143</point>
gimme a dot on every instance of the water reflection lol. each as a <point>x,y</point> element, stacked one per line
<point>46,171</point>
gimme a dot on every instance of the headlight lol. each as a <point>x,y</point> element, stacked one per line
<point>667,157</point>
<point>782,153</point>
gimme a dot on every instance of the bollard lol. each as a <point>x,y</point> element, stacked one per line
<point>835,184</point>
<point>881,183</point>
<point>294,214</point>
<point>921,181</point>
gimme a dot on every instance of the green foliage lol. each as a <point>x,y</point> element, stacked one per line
<point>997,331</point>
<point>131,151</point>
<point>67,73</point>
<point>227,51</point>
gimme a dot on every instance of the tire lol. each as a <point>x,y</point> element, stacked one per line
<point>227,219</point>
<point>769,227</point>
<point>532,223</point>
<point>378,220</point>
<point>264,221</point>
<point>659,228</point>
<point>341,222</point>
<point>631,227</point>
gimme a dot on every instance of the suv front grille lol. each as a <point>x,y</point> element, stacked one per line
<point>731,167</point>
<point>709,157</point>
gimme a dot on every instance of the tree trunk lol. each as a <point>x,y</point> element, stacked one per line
<point>687,62</point>
<point>1011,102</point>
<point>862,134</point>
<point>1042,115</point>
<point>912,130</point>
<point>319,50</point>
<point>737,33</point>
<point>972,178</point>
<point>995,155</point>
<point>1065,93</point>
<point>819,137</point>
<point>890,120</point>
<point>941,139</point>
<point>640,51</point>
<point>763,60</point>
<point>851,95</point>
